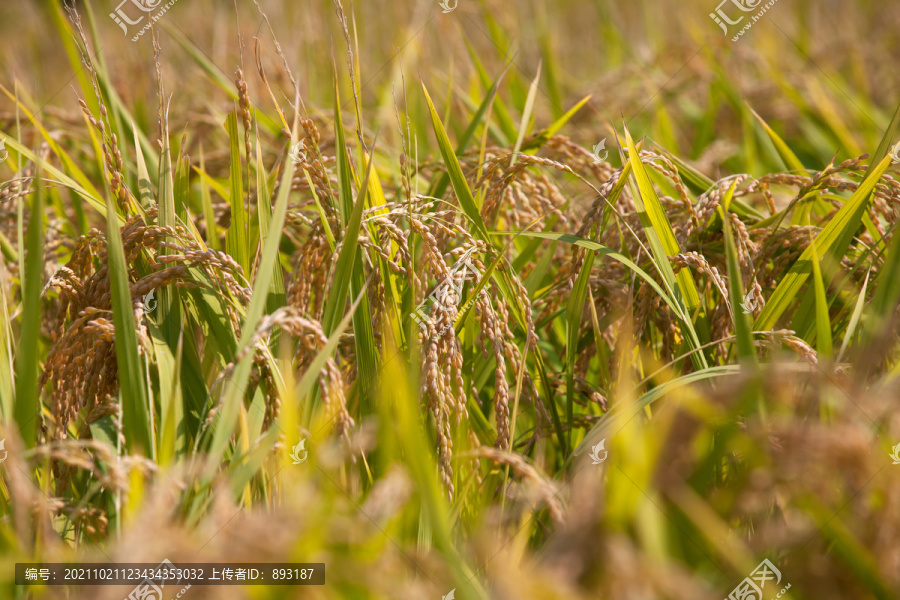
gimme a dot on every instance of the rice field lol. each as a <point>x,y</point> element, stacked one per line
<point>459,299</point>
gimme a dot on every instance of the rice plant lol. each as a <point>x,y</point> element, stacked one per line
<point>459,300</point>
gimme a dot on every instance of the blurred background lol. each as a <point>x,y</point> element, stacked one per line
<point>820,72</point>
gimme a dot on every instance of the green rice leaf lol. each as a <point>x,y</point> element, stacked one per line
<point>236,243</point>
<point>172,434</point>
<point>573,326</point>
<point>7,362</point>
<point>349,275</point>
<point>507,127</point>
<point>842,225</point>
<point>823,322</point>
<point>27,404</point>
<point>323,218</point>
<point>145,189</point>
<point>526,114</point>
<point>132,385</point>
<point>700,183</point>
<point>212,230</point>
<point>659,232</point>
<point>787,155</point>
<point>544,135</point>
<point>615,418</point>
<point>182,190</point>
<point>604,251</point>
<point>443,181</point>
<point>91,195</point>
<point>854,318</point>
<point>310,376</point>
<point>803,322</point>
<point>277,297</point>
<point>457,179</point>
<point>742,322</point>
<point>241,376</point>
